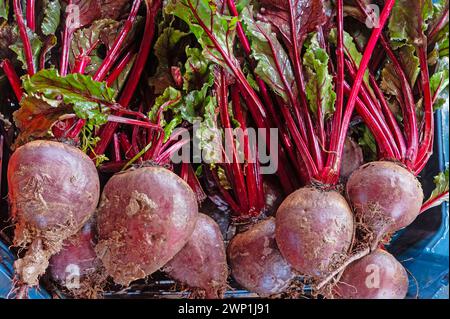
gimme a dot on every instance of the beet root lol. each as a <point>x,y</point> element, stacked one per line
<point>53,190</point>
<point>146,215</point>
<point>202,263</point>
<point>386,197</point>
<point>375,276</point>
<point>352,158</point>
<point>314,230</point>
<point>255,261</point>
<point>77,268</point>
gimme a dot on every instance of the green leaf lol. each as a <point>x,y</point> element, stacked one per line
<point>197,70</point>
<point>440,39</point>
<point>8,36</point>
<point>88,39</point>
<point>52,16</point>
<point>440,193</point>
<point>35,117</point>
<point>90,99</point>
<point>36,46</point>
<point>165,49</point>
<point>242,4</point>
<point>294,19</point>
<point>408,21</point>
<point>274,66</point>
<point>390,82</point>
<point>208,133</point>
<point>367,142</point>
<point>202,15</point>
<point>169,100</point>
<point>4,9</point>
<point>439,83</point>
<point>319,86</point>
<point>190,103</point>
<point>49,43</point>
<point>410,62</point>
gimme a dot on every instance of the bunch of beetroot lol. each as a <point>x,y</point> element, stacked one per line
<point>98,108</point>
<point>74,103</point>
<point>311,68</point>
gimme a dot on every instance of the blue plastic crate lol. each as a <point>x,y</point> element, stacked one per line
<point>428,260</point>
<point>7,274</point>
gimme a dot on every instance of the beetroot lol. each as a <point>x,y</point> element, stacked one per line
<point>53,190</point>
<point>202,263</point>
<point>352,158</point>
<point>255,261</point>
<point>375,276</point>
<point>76,267</point>
<point>146,215</point>
<point>314,230</point>
<point>385,196</point>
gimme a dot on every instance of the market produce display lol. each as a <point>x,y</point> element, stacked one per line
<point>271,146</point>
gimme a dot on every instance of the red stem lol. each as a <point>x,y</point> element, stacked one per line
<point>66,41</point>
<point>13,78</point>
<point>240,31</point>
<point>193,182</point>
<point>134,134</point>
<point>226,196</point>
<point>125,120</point>
<point>301,145</point>
<point>430,203</point>
<point>388,149</point>
<point>31,20</point>
<point>390,118</point>
<point>115,73</point>
<point>408,110</point>
<point>312,138</point>
<point>265,94</point>
<point>184,171</point>
<point>81,64</point>
<point>113,53</point>
<point>253,102</point>
<point>337,116</point>
<point>126,146</point>
<point>334,160</point>
<point>238,177</point>
<point>250,153</point>
<point>24,36</point>
<point>371,121</point>
<point>75,131</point>
<point>116,149</point>
<point>165,156</point>
<point>135,74</point>
<point>443,20</point>
<point>426,147</point>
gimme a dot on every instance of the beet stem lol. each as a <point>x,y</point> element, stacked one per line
<point>119,68</point>
<point>426,147</point>
<point>135,74</point>
<point>24,36</point>
<point>113,53</point>
<point>333,163</point>
<point>13,78</point>
<point>30,13</point>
